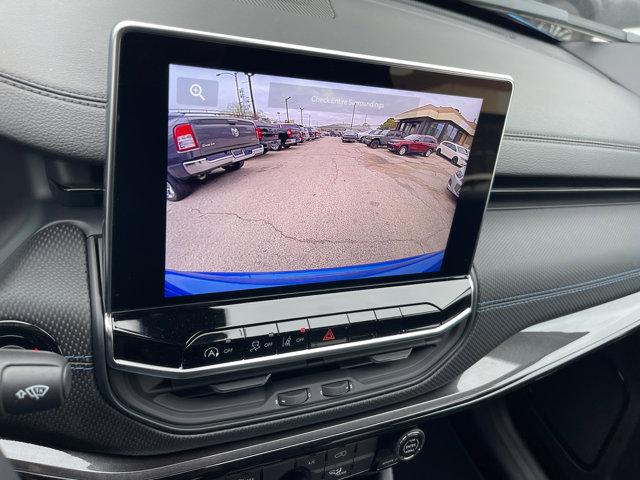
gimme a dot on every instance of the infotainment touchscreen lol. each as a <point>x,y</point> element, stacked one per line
<point>277,181</point>
<point>241,170</point>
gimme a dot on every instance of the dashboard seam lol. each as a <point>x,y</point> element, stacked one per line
<point>555,292</point>
<point>527,137</point>
<point>62,95</point>
<point>100,103</point>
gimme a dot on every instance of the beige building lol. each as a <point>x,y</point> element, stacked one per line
<point>443,123</point>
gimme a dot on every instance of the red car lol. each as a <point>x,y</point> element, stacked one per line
<point>425,144</point>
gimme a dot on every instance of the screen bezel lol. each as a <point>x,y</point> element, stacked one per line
<point>138,112</point>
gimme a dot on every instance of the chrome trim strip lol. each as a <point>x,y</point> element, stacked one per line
<point>597,325</point>
<point>547,190</point>
<point>193,166</point>
<point>277,359</point>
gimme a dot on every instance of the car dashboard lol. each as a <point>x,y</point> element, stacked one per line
<point>555,275</point>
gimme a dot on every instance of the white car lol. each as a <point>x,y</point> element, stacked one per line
<point>457,154</point>
<point>455,182</point>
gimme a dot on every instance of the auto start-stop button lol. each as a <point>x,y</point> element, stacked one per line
<point>410,444</point>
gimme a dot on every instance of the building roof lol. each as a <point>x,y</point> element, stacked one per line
<point>338,126</point>
<point>440,113</point>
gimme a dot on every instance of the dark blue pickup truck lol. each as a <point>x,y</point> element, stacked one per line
<point>199,143</point>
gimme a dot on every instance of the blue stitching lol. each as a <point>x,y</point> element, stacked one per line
<point>81,367</point>
<point>603,280</point>
<point>78,357</point>
<point>542,297</point>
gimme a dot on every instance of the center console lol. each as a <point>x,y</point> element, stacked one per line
<point>343,461</point>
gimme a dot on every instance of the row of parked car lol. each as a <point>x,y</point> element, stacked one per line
<point>403,144</point>
<point>200,143</point>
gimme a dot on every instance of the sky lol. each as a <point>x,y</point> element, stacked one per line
<point>323,103</point>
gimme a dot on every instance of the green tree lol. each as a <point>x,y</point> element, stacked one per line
<point>389,124</point>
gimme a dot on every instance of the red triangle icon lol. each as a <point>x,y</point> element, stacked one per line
<point>328,336</point>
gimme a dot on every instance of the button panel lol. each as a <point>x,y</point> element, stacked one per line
<point>342,461</point>
<point>336,463</point>
<point>220,346</point>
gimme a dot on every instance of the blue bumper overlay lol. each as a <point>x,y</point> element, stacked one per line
<point>178,283</point>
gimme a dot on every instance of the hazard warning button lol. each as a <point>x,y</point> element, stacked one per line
<point>328,330</point>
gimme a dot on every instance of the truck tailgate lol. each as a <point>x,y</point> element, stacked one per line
<point>215,135</point>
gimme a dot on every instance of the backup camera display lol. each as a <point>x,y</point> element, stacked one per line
<point>275,181</point>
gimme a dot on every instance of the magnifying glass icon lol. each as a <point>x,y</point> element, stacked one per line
<point>196,91</point>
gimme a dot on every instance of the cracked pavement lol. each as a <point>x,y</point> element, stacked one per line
<point>321,204</point>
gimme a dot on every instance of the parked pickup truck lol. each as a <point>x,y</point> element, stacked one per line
<point>290,134</point>
<point>200,143</point>
<point>268,135</point>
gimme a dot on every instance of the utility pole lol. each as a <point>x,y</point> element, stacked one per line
<point>365,115</point>
<point>235,75</point>
<point>353,114</point>
<point>301,121</point>
<point>278,117</point>
<point>309,119</point>
<point>286,105</point>
<point>253,103</point>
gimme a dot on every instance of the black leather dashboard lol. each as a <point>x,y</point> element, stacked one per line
<point>535,260</point>
<point>56,72</point>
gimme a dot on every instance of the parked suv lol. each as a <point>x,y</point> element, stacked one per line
<point>425,144</point>
<point>382,138</point>
<point>350,136</point>
<point>362,135</point>
<point>200,143</point>
<point>289,134</point>
<point>457,154</point>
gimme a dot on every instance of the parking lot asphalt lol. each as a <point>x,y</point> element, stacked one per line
<point>321,204</point>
